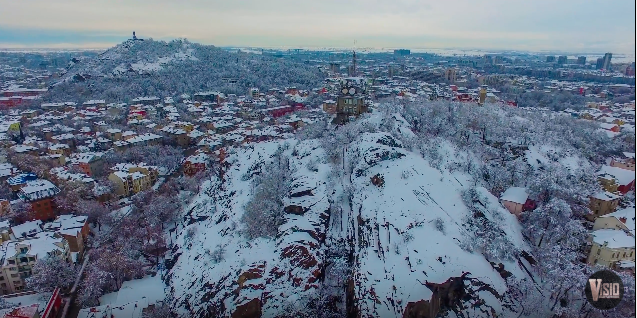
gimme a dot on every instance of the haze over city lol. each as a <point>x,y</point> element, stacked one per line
<point>576,26</point>
<point>317,159</point>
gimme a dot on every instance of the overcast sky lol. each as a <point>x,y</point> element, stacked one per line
<point>567,25</point>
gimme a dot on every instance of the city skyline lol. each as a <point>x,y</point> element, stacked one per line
<point>540,25</point>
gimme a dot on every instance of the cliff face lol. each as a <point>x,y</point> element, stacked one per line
<point>399,224</point>
<point>253,277</point>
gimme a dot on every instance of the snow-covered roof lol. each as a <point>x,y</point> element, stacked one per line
<point>66,222</point>
<point>143,137</point>
<point>623,176</point>
<point>605,196</point>
<point>197,158</point>
<point>614,238</point>
<point>28,228</point>
<point>38,189</point>
<point>23,148</point>
<point>628,213</point>
<point>515,194</point>
<point>21,178</point>
<point>129,310</point>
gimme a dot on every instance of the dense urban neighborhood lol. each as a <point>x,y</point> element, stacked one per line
<point>174,179</point>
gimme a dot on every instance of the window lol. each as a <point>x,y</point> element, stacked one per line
<point>612,256</point>
<point>11,261</point>
<point>624,255</point>
<point>24,260</point>
<point>595,262</point>
<point>599,251</point>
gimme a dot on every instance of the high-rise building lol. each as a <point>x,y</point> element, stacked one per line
<point>550,59</point>
<point>561,59</point>
<point>451,75</point>
<point>402,52</point>
<point>581,60</point>
<point>488,59</point>
<point>607,58</point>
<point>335,67</point>
<point>630,70</point>
<point>600,63</point>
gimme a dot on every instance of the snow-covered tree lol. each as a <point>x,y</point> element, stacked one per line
<point>52,272</point>
<point>264,212</point>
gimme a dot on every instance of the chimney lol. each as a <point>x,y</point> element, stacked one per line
<point>622,219</point>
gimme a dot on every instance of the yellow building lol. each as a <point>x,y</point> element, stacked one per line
<point>612,248</point>
<point>20,255</point>
<point>602,203</point>
<point>130,179</point>
<point>623,219</point>
<point>608,182</point>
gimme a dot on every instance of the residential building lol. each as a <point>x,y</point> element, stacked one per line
<point>329,106</point>
<point>17,258</point>
<point>195,163</point>
<point>607,57</point>
<point>39,194</point>
<point>602,203</point>
<point>254,93</point>
<point>130,179</point>
<point>581,60</point>
<point>600,63</point>
<point>516,200</point>
<point>72,228</point>
<point>626,162</point>
<point>90,163</point>
<point>114,134</point>
<point>18,181</point>
<point>562,59</point>
<point>623,178</point>
<point>612,248</point>
<point>402,52</point>
<point>60,149</point>
<point>623,219</point>
<point>5,207</point>
<point>451,75</point>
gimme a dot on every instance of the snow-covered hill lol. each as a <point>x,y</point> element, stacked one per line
<point>395,236</point>
<point>136,68</point>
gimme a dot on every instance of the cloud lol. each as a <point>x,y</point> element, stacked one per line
<point>513,24</point>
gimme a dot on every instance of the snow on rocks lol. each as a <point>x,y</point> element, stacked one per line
<point>267,269</point>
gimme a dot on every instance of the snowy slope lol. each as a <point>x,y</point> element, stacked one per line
<point>272,270</point>
<point>150,68</point>
<point>409,231</point>
<point>399,245</point>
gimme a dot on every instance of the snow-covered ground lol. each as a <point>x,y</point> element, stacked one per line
<point>152,288</point>
<point>393,230</point>
<point>26,300</point>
